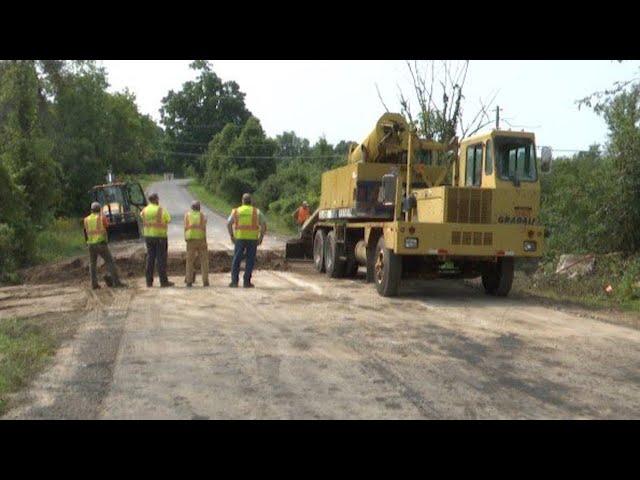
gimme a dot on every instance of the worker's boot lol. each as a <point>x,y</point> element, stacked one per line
<point>95,287</point>
<point>167,284</point>
<point>233,285</point>
<point>119,284</point>
<point>248,285</point>
<point>189,284</point>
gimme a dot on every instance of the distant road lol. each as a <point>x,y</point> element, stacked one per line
<point>175,197</point>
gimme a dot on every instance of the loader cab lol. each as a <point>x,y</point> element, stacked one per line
<point>499,159</point>
<point>121,205</point>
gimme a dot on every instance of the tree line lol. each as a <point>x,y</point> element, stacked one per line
<point>591,201</point>
<point>211,135</point>
<point>60,131</point>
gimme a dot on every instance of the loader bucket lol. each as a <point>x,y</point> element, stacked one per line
<point>301,248</point>
<point>123,231</point>
<point>298,249</point>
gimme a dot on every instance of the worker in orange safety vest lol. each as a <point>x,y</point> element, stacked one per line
<point>301,214</point>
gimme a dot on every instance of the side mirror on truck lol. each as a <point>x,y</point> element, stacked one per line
<point>546,156</point>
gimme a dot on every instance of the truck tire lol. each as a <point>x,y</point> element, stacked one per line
<point>319,241</point>
<point>498,278</point>
<point>388,270</point>
<point>334,264</point>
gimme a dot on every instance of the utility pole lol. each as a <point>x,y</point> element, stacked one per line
<point>498,117</point>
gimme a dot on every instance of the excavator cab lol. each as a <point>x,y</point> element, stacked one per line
<point>121,204</point>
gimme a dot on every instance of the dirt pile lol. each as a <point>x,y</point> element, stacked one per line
<point>131,263</point>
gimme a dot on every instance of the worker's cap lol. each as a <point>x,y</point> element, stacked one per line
<point>153,197</point>
<point>306,204</point>
<point>246,198</point>
<point>95,207</point>
<point>195,205</point>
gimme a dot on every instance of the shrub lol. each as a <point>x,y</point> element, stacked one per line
<point>235,183</point>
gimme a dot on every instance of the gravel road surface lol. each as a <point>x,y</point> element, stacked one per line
<point>301,346</point>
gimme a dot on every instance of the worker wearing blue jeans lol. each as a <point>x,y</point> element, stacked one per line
<point>246,226</point>
<point>243,249</point>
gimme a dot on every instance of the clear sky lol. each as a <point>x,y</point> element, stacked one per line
<point>338,99</point>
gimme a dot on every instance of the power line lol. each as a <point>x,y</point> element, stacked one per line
<point>263,157</point>
<point>304,157</point>
<point>206,144</point>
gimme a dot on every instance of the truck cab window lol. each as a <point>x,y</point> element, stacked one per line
<point>516,158</point>
<point>473,170</point>
<point>488,159</point>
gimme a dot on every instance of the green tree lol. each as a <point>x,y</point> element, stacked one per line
<point>94,130</point>
<point>240,159</point>
<point>16,230</point>
<point>213,160</point>
<point>80,135</point>
<point>578,204</point>
<point>24,149</point>
<point>622,115</point>
<point>620,108</point>
<point>196,113</point>
<point>130,138</point>
<point>290,145</point>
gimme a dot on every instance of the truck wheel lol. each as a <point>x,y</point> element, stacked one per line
<point>497,280</point>
<point>318,250</point>
<point>388,270</point>
<point>333,263</point>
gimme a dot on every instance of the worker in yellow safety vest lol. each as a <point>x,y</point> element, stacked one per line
<point>96,236</point>
<point>155,221</point>
<point>247,227</point>
<point>195,234</point>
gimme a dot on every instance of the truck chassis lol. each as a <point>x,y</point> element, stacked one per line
<point>394,250</point>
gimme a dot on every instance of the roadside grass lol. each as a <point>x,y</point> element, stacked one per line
<point>221,206</point>
<point>621,272</point>
<point>25,348</point>
<point>63,238</point>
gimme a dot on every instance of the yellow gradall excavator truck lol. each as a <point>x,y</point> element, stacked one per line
<point>406,207</point>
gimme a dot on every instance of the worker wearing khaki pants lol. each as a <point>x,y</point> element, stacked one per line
<point>195,234</point>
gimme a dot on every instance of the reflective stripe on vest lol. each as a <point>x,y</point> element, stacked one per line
<point>245,222</point>
<point>96,233</point>
<point>156,223</point>
<point>194,230</point>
